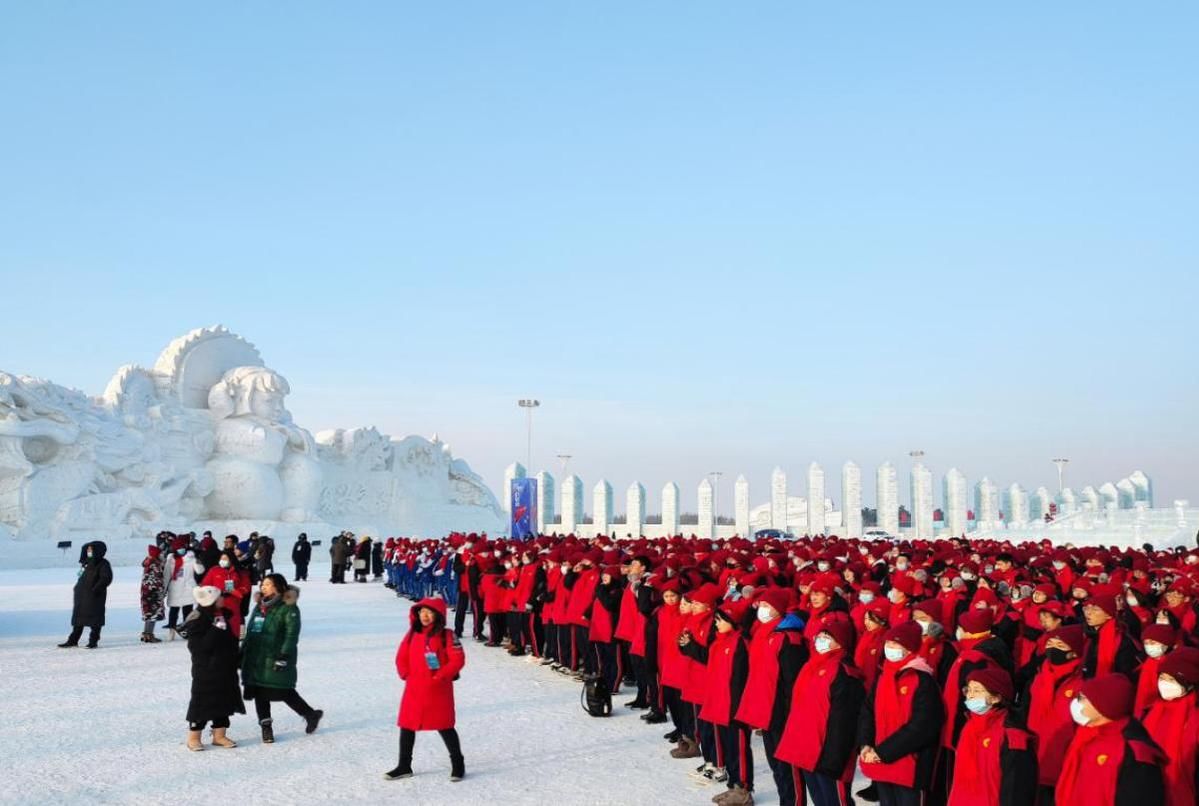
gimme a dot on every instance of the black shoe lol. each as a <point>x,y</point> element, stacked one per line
<point>673,736</point>
<point>637,705</point>
<point>398,772</point>
<point>93,646</point>
<point>313,720</point>
<point>68,644</point>
<point>654,718</point>
<point>869,793</point>
<point>457,768</point>
<point>268,733</point>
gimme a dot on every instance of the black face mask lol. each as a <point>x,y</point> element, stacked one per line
<point>1057,656</point>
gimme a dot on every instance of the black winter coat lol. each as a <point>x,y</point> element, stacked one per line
<point>91,588</point>
<point>301,552</point>
<point>215,692</point>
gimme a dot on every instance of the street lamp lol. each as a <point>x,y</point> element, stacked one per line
<point>528,405</point>
<point>1061,467</point>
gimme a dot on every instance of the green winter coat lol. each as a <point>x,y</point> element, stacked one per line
<point>270,637</point>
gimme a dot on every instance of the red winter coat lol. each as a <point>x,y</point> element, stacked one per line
<point>524,587</point>
<point>1049,718</point>
<point>700,626</point>
<point>582,596</point>
<point>234,586</point>
<point>672,664</point>
<point>428,699</point>
<point>757,703</point>
<point>1174,725</point>
<point>495,596</point>
<point>629,620</point>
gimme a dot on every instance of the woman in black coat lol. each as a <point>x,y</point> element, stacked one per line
<point>91,593</point>
<point>213,647</point>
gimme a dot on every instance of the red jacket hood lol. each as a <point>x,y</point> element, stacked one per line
<point>433,603</point>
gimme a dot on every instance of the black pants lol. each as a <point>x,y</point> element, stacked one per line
<point>733,752</point>
<point>408,742</point>
<point>293,700</point>
<point>517,627</point>
<point>705,736</point>
<point>896,795</point>
<point>607,656</point>
<point>93,636</point>
<point>222,722</point>
<point>826,791</point>
<point>337,574</point>
<point>680,712</point>
<point>585,657</point>
<point>549,646</point>
<point>460,612</point>
<point>783,773</point>
<point>173,615</point>
<point>495,628</point>
<point>301,572</point>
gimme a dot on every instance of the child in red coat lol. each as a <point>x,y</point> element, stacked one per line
<point>428,661</point>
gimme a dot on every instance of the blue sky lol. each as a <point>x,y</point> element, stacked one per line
<point>708,236</point>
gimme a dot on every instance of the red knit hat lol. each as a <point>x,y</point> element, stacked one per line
<point>734,610</point>
<point>1161,633</point>
<point>1104,597</point>
<point>1111,695</point>
<point>907,635</point>
<point>929,607</point>
<point>1183,665</point>
<point>840,630</point>
<point>778,598</point>
<point>705,594</point>
<point>976,620</point>
<point>995,680</point>
<point>1071,635</point>
<point>908,586</point>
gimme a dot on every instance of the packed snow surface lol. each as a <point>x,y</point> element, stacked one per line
<point>107,725</point>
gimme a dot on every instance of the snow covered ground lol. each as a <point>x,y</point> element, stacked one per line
<point>107,726</point>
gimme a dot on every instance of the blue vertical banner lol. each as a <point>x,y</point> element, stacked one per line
<point>523,500</point>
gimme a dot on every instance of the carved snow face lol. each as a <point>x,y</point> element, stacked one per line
<point>267,404</point>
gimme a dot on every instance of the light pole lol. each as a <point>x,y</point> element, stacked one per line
<point>1061,468</point>
<point>716,474</point>
<point>528,404</point>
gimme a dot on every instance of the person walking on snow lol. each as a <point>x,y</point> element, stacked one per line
<point>212,642</point>
<point>268,669</point>
<point>428,661</point>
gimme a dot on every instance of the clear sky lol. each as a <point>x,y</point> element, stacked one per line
<point>709,236</point>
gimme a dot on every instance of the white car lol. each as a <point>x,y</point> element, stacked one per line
<point>875,533</point>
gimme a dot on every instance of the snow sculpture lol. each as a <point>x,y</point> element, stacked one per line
<point>203,440</point>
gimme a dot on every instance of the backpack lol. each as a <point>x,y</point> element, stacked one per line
<point>596,699</point>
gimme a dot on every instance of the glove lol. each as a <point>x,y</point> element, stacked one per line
<point>280,665</point>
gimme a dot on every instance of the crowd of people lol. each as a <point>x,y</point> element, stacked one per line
<point>946,672</point>
<point>950,671</point>
<point>237,615</point>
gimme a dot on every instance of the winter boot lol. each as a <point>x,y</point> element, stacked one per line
<point>402,771</point>
<point>869,793</point>
<point>68,644</point>
<point>686,748</point>
<point>654,717</point>
<point>673,736</point>
<point>151,638</point>
<point>219,739</point>
<point>738,796</point>
<point>637,705</point>
<point>457,768</point>
<point>268,732</point>
<point>313,719</point>
<point>193,740</point>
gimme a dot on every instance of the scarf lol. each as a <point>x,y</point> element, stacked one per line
<point>977,773</point>
<point>1174,725</point>
<point>802,741</point>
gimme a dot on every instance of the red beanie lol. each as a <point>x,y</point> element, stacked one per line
<point>976,620</point>
<point>907,635</point>
<point>995,680</point>
<point>705,594</point>
<point>734,610</point>
<point>931,608</point>
<point>1161,633</point>
<point>908,586</point>
<point>840,630</point>
<point>778,598</point>
<point>1183,665</point>
<point>1111,695</point>
<point>1104,597</point>
<point>1071,635</point>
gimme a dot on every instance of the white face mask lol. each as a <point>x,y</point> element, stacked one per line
<point>765,614</point>
<point>893,596</point>
<point>901,566</point>
<point>924,625</point>
<point>866,597</point>
<point>1131,601</point>
<point>1170,689</point>
<point>823,644</point>
<point>1076,712</point>
<point>863,550</point>
<point>894,655</point>
<point>969,577</point>
<point>224,562</point>
<point>1059,565</point>
<point>1154,650</point>
<point>822,566</point>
